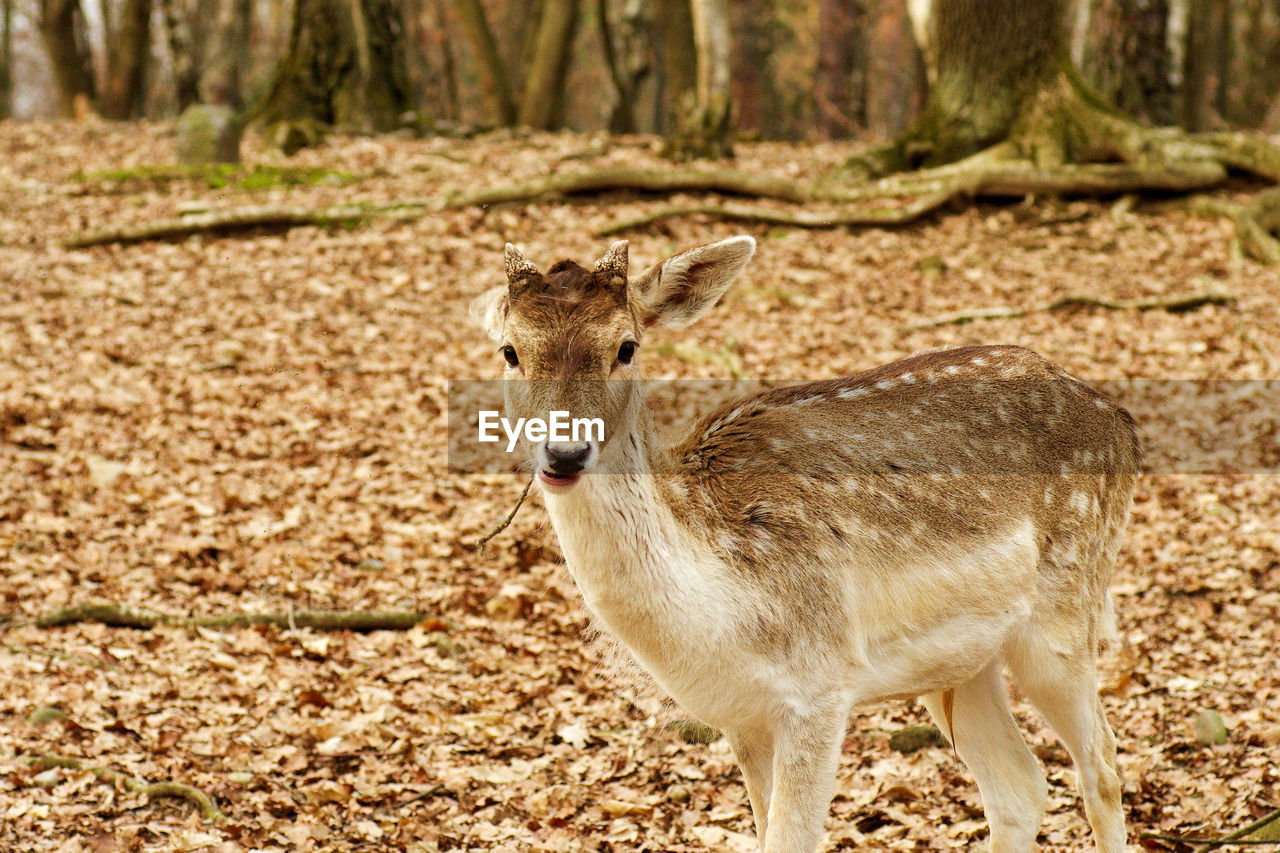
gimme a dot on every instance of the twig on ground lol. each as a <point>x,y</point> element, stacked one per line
<point>64,656</point>
<point>1235,837</point>
<point>124,616</point>
<point>1208,843</point>
<point>506,522</point>
<point>1176,302</point>
<point>208,810</point>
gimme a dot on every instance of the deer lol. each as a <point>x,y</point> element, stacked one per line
<point>913,530</point>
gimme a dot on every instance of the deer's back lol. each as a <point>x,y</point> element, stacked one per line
<point>940,452</point>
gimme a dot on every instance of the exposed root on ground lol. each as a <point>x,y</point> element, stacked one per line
<point>1175,302</point>
<point>1065,144</point>
<point>124,616</point>
<point>203,803</point>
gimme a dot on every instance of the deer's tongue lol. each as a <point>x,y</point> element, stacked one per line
<point>557,479</point>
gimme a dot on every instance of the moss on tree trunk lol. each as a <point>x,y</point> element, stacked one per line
<point>345,67</point>
<point>994,57</point>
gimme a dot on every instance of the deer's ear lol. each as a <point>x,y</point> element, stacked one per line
<point>677,291</point>
<point>489,310</point>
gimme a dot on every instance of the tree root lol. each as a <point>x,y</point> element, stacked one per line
<point>801,218</point>
<point>1256,224</point>
<point>202,801</point>
<point>124,616</point>
<point>1177,302</point>
<point>1033,163</point>
<point>667,181</point>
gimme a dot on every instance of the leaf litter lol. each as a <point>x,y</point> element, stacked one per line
<point>257,424</point>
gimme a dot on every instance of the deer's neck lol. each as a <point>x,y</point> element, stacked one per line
<point>623,538</point>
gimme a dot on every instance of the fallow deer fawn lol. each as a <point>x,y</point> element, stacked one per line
<point>903,532</point>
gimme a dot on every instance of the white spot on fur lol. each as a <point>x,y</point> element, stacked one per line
<point>885,384</point>
<point>852,393</point>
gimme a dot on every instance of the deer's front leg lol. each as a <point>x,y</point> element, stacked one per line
<point>754,751</point>
<point>806,750</point>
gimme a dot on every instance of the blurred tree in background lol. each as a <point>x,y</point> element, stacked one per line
<point>697,71</point>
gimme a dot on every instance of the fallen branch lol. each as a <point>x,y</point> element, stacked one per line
<point>238,220</point>
<point>124,616</point>
<point>1177,302</point>
<point>208,810</point>
<point>799,218</point>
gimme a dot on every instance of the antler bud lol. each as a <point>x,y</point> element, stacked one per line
<point>613,266</point>
<point>520,272</point>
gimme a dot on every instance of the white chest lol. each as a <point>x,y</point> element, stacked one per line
<point>661,593</point>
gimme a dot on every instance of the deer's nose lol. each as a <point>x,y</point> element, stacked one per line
<point>568,459</point>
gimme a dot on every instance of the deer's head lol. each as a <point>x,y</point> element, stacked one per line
<point>571,338</point>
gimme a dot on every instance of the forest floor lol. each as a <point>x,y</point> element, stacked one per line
<point>257,423</point>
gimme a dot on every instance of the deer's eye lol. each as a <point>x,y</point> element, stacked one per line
<point>627,351</point>
<point>509,353</point>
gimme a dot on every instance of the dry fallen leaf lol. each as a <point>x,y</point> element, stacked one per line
<point>240,424</point>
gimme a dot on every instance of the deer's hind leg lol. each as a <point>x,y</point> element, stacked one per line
<point>1060,679</point>
<point>986,737</point>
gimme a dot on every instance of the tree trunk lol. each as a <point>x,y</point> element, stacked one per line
<point>186,48</point>
<point>65,38</point>
<point>895,75</point>
<point>449,65</point>
<point>1205,60</point>
<point>993,58</point>
<point>678,59</point>
<point>128,49</point>
<point>625,61</point>
<point>6,61</point>
<point>704,118</point>
<point>345,66</point>
<point>1253,62</point>
<point>1124,56</point>
<point>493,71</point>
<point>542,104</point>
<point>841,67</point>
<point>227,55</point>
<point>754,97</point>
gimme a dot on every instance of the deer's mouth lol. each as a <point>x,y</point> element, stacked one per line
<point>560,481</point>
